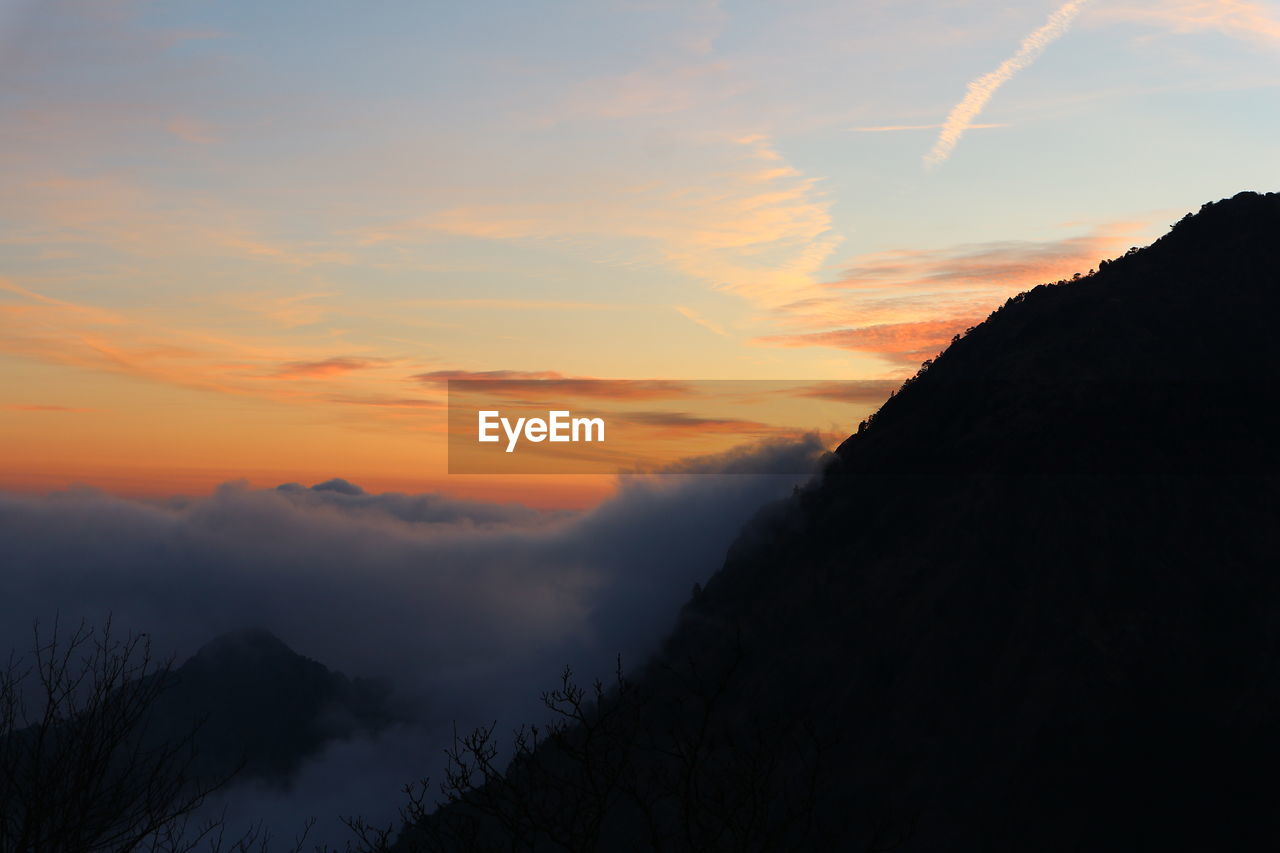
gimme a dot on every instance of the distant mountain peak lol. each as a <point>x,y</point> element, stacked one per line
<point>245,645</point>
<point>340,486</point>
<point>262,701</point>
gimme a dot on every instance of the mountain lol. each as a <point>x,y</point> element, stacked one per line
<point>1038,593</point>
<point>262,708</point>
<point>1033,603</point>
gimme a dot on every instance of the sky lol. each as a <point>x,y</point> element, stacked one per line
<point>245,246</point>
<point>243,240</point>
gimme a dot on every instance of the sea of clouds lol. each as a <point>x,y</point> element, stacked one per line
<point>469,609</point>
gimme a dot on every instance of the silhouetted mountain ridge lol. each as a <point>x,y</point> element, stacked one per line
<point>1038,592</point>
<point>1032,604</point>
<point>1171,338</point>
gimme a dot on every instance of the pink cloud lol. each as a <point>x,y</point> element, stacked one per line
<point>325,368</point>
<point>906,343</point>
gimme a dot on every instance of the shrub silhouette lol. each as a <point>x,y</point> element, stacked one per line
<point>79,772</point>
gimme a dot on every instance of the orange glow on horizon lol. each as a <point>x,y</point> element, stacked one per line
<point>541,492</point>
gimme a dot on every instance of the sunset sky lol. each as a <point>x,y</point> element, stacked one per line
<point>246,240</point>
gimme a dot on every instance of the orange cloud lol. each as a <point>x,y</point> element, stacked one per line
<point>906,343</point>
<point>684,426</point>
<point>894,292</point>
<point>325,368</point>
<point>442,377</point>
<point>390,402</point>
<point>133,344</point>
<point>544,384</point>
<point>684,420</point>
<point>1002,264</point>
<point>861,391</point>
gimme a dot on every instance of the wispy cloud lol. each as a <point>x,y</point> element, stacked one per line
<point>192,130</point>
<point>905,343</point>
<point>679,424</point>
<point>750,224</point>
<point>126,216</point>
<point>861,391</point>
<point>325,368</point>
<point>979,91</point>
<point>512,304</point>
<point>1002,265</point>
<point>687,429</point>
<point>550,384</point>
<point>1235,18</point>
<point>651,91</point>
<point>289,310</point>
<point>390,402</point>
<point>130,343</point>
<point>709,325</point>
<point>441,378</point>
<point>892,128</point>
<point>40,407</point>
<point>905,304</point>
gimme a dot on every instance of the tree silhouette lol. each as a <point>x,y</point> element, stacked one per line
<point>78,771</point>
<point>626,768</point>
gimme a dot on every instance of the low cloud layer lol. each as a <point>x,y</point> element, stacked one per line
<point>469,608</point>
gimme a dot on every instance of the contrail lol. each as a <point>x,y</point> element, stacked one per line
<point>889,128</point>
<point>981,89</point>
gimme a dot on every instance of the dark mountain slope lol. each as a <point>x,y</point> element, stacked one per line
<point>1038,594</point>
<point>261,707</point>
